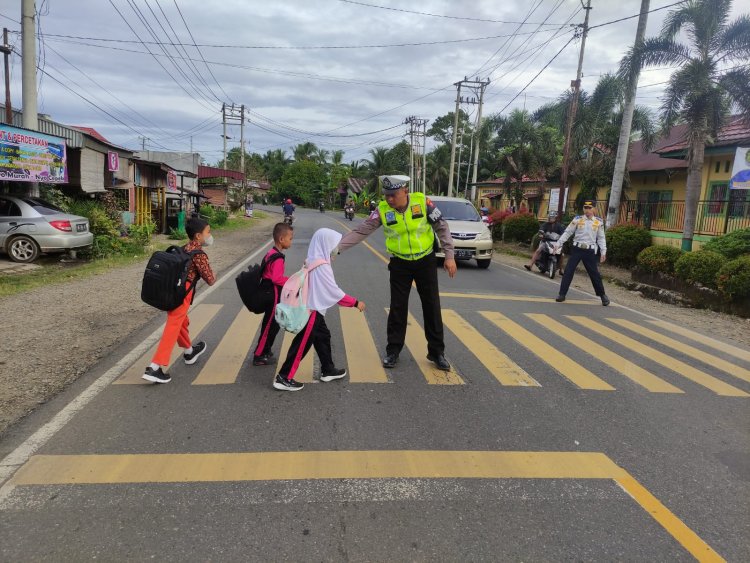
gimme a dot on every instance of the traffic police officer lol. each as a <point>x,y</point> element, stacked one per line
<point>410,222</point>
<point>588,241</point>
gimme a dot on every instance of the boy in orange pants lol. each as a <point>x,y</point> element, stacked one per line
<point>176,329</point>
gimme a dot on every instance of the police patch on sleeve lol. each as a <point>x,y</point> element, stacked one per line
<point>433,213</point>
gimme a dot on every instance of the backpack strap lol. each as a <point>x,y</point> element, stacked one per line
<point>306,269</point>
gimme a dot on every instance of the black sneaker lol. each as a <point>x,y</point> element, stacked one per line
<point>156,375</point>
<point>263,360</point>
<point>440,362</point>
<point>605,300</point>
<point>390,360</point>
<point>192,357</point>
<point>560,298</point>
<point>333,374</point>
<point>284,384</point>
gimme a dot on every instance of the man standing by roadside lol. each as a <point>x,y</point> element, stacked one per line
<point>410,222</point>
<point>588,241</point>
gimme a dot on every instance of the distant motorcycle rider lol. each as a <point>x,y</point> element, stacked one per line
<point>551,226</point>
<point>288,207</point>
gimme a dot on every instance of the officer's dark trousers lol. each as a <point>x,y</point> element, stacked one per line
<point>590,261</point>
<point>424,273</point>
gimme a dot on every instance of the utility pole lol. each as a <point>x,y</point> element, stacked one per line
<point>482,86</point>
<point>615,192</point>
<point>224,122</point>
<point>6,56</point>
<point>474,86</point>
<point>417,153</point>
<point>242,145</point>
<point>28,73</point>
<point>571,116</point>
<point>143,142</point>
<point>191,144</point>
<point>453,143</point>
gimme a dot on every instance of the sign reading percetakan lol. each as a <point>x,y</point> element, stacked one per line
<point>28,156</point>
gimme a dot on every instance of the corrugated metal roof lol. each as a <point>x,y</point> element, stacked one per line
<point>73,137</point>
<point>736,132</point>
<point>214,172</point>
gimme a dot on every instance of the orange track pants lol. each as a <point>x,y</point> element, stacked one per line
<point>175,331</point>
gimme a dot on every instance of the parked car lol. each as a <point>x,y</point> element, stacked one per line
<point>29,226</point>
<point>472,239</point>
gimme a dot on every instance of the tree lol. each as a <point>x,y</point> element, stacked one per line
<point>438,165</point>
<point>525,148</point>
<point>303,181</point>
<point>378,166</point>
<point>596,131</point>
<point>442,128</point>
<point>701,93</point>
<point>305,151</point>
<point>398,158</point>
<point>358,168</point>
<point>274,163</point>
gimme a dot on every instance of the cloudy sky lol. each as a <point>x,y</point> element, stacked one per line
<point>338,73</point>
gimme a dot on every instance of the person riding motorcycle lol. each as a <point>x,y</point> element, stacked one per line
<point>349,209</point>
<point>288,211</point>
<point>551,226</point>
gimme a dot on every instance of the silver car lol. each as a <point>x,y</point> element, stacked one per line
<point>29,225</point>
<point>472,239</point>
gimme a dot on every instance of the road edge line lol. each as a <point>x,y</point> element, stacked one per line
<point>22,453</point>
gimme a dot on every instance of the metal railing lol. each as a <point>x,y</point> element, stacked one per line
<point>712,217</point>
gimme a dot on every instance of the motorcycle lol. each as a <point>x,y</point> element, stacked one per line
<point>550,255</point>
<point>322,208</point>
<point>289,219</point>
<point>349,212</point>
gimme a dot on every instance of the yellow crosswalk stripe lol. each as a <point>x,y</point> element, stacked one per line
<point>505,370</point>
<point>363,361</point>
<point>305,370</point>
<point>630,370</point>
<point>686,370</point>
<point>522,298</point>
<point>225,362</point>
<point>573,371</point>
<point>700,355</point>
<point>416,344</point>
<point>705,340</point>
<point>199,319</point>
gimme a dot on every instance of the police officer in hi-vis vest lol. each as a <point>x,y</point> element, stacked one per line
<point>587,231</point>
<point>410,222</point>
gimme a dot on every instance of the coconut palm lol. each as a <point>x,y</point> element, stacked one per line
<point>703,91</point>
<point>358,168</point>
<point>438,166</point>
<point>378,165</point>
<point>596,131</point>
<point>305,151</point>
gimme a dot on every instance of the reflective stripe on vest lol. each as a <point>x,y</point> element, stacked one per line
<point>407,237</point>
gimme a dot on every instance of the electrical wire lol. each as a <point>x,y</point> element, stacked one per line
<point>433,15</point>
<point>637,15</point>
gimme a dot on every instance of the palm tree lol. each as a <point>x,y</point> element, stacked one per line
<point>378,166</point>
<point>321,156</point>
<point>358,168</point>
<point>305,151</point>
<point>438,164</point>
<point>701,93</point>
<point>337,157</point>
<point>526,148</point>
<point>596,131</point>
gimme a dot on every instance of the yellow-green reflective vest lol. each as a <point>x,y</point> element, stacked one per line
<point>408,235</point>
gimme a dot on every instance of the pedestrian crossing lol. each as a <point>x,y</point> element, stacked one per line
<point>605,354</point>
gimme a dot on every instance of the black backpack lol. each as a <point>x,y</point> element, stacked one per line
<point>165,276</point>
<point>257,293</point>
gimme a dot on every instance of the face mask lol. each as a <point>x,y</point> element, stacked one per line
<point>208,241</point>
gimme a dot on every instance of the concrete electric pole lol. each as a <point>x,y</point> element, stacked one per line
<point>417,153</point>
<point>576,84</point>
<point>28,73</point>
<point>482,86</point>
<point>475,86</point>
<point>6,56</point>
<point>615,192</point>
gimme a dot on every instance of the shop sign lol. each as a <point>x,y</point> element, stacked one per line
<point>29,156</point>
<point>741,170</point>
<point>113,161</point>
<point>171,181</point>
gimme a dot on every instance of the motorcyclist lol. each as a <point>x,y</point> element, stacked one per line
<point>349,205</point>
<point>288,208</point>
<point>551,226</point>
<point>321,205</point>
<point>373,206</point>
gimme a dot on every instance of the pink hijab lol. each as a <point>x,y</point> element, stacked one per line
<point>323,292</point>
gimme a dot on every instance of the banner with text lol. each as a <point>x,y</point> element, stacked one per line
<point>28,156</point>
<point>741,170</point>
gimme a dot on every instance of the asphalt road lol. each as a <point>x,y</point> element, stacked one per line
<point>565,431</point>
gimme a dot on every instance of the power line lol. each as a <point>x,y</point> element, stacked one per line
<point>289,47</point>
<point>434,15</point>
<point>636,15</point>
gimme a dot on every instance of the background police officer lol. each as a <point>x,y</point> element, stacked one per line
<point>410,222</point>
<point>587,231</point>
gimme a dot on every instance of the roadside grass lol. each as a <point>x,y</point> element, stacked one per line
<point>50,274</point>
<point>235,223</point>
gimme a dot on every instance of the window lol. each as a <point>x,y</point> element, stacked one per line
<point>458,210</point>
<point>726,165</point>
<point>717,167</point>
<point>739,203</point>
<point>42,207</point>
<point>9,209</point>
<point>717,195</point>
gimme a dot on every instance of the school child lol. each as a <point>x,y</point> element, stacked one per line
<point>322,294</point>
<point>283,234</point>
<point>176,329</point>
